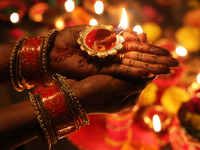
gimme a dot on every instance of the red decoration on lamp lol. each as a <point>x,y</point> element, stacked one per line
<point>100,40</point>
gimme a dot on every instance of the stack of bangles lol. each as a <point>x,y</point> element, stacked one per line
<point>57,108</point>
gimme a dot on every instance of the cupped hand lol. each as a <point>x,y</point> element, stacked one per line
<point>106,94</point>
<point>139,60</point>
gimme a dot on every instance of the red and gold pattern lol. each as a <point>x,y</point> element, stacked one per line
<point>30,60</point>
<point>57,107</point>
<point>100,40</point>
<point>180,139</point>
<point>118,128</point>
<point>44,64</point>
<point>41,120</point>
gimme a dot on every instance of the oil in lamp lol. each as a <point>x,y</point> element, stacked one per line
<point>103,40</point>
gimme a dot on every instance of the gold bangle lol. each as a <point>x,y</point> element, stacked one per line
<point>70,104</point>
<point>41,121</point>
<point>75,102</point>
<point>20,76</point>
<point>47,119</point>
<point>14,65</point>
<point>17,78</point>
<point>44,64</point>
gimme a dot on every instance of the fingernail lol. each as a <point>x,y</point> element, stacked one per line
<point>180,64</point>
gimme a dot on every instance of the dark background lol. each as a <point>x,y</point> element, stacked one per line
<point>173,17</point>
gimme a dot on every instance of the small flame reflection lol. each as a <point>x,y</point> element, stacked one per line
<point>156,123</point>
<point>198,78</point>
<point>93,22</point>
<point>181,51</point>
<point>98,7</point>
<point>69,5</point>
<point>14,17</point>
<point>138,29</point>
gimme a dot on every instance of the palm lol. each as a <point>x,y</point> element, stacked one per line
<point>97,93</point>
<point>67,59</point>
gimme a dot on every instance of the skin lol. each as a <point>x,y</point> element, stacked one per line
<point>5,53</point>
<point>97,83</point>
<point>141,59</point>
<point>18,123</point>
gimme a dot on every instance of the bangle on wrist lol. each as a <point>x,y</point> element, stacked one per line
<point>47,119</point>
<point>60,116</point>
<point>75,103</point>
<point>41,121</point>
<point>14,65</point>
<point>29,63</point>
<point>44,63</point>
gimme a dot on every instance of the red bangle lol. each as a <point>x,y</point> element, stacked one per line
<point>30,61</point>
<point>58,109</point>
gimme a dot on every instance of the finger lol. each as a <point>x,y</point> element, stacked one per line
<point>151,68</point>
<point>130,35</point>
<point>142,37</point>
<point>150,58</point>
<point>125,71</point>
<point>144,47</point>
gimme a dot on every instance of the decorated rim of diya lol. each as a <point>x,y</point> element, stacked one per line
<point>100,40</point>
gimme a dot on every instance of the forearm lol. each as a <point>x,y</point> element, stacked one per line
<point>5,54</point>
<point>18,124</point>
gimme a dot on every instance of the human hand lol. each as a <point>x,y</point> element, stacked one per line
<point>106,94</point>
<point>144,60</point>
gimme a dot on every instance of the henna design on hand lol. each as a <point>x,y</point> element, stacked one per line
<point>74,33</point>
<point>59,53</point>
<point>82,63</point>
<point>144,47</point>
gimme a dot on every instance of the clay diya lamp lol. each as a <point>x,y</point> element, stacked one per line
<point>101,40</point>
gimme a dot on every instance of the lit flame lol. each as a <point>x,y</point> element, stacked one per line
<point>124,20</point>
<point>195,85</point>
<point>156,123</point>
<point>93,22</point>
<point>138,29</point>
<point>14,17</point>
<point>69,5</point>
<point>181,51</point>
<point>98,7</point>
<point>198,78</point>
<point>59,24</point>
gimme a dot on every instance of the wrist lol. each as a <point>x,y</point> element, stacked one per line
<point>29,63</point>
<point>58,111</point>
<point>5,55</point>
